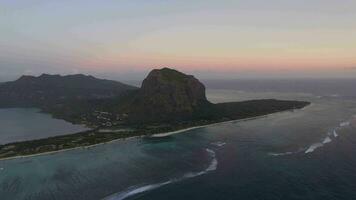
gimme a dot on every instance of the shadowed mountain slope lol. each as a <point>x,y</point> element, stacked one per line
<point>50,89</point>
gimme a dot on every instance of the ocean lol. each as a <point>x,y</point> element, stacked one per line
<point>302,154</point>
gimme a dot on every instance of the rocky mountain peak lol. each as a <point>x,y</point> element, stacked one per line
<point>167,93</point>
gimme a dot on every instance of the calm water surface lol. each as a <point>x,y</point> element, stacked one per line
<point>305,154</point>
<point>18,124</point>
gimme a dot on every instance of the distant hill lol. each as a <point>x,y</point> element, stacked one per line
<point>49,89</point>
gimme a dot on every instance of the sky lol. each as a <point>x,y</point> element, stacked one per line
<point>221,39</point>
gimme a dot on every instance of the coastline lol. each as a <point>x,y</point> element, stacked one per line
<point>166,134</point>
<point>157,135</point>
<point>69,149</point>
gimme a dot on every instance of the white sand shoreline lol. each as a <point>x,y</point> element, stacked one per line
<point>69,149</point>
<point>158,135</point>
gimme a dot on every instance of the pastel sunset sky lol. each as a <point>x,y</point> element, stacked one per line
<point>123,39</point>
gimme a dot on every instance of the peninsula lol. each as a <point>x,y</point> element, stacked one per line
<point>168,101</point>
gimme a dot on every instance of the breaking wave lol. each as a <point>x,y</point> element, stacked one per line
<point>334,133</point>
<point>140,189</point>
<point>342,124</point>
<point>328,138</point>
<point>218,144</point>
<point>281,154</point>
<point>285,153</point>
<point>310,149</point>
<point>313,147</point>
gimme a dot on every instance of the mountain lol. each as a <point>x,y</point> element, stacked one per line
<point>49,89</point>
<point>168,101</point>
<point>165,95</point>
<point>170,96</point>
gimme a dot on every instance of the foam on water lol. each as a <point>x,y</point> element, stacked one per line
<point>137,190</point>
<point>214,162</point>
<point>286,153</point>
<point>327,140</point>
<point>218,144</point>
<point>313,147</point>
<point>212,166</point>
<point>334,133</point>
<point>281,154</point>
<point>320,144</point>
<point>140,189</point>
<point>342,124</point>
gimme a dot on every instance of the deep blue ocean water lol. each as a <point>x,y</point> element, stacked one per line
<point>301,154</point>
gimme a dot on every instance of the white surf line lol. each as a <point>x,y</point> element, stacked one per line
<point>328,139</point>
<point>282,154</point>
<point>131,191</point>
<point>347,123</point>
<point>335,133</point>
<point>218,144</point>
<point>313,147</point>
<point>286,153</point>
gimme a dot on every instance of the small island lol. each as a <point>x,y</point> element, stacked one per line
<point>167,102</point>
